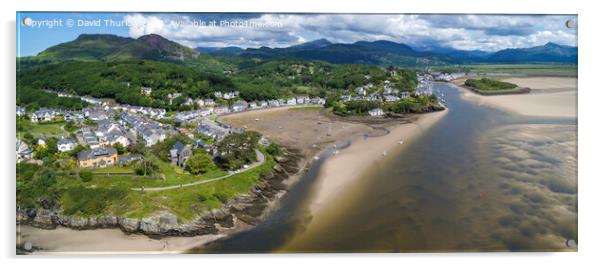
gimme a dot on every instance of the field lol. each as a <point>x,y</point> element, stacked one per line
<point>42,129</point>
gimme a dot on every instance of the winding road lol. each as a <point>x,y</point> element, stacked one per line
<point>260,160</point>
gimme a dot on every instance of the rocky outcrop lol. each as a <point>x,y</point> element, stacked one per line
<point>248,209</point>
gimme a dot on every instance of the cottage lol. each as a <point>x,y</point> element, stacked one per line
<point>291,101</point>
<point>97,158</point>
<point>43,115</point>
<point>239,106</point>
<point>23,151</point>
<point>66,144</point>
<point>20,111</point>
<point>377,112</point>
<point>41,142</point>
<point>89,138</point>
<point>221,110</point>
<point>360,91</point>
<point>179,154</point>
<point>146,91</point>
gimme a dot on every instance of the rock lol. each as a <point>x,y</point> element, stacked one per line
<point>31,212</point>
<point>168,218</point>
<point>129,225</point>
<point>45,204</point>
<point>280,159</point>
<point>107,221</point>
<point>150,226</point>
<point>78,222</point>
<point>278,168</point>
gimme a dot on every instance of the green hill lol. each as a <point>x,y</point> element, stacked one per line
<point>112,47</point>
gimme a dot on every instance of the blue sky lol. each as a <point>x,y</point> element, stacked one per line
<point>464,32</point>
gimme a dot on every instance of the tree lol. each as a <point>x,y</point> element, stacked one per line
<point>238,149</point>
<point>137,148</point>
<point>120,148</point>
<point>199,163</point>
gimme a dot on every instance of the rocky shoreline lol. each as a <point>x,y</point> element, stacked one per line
<point>243,210</point>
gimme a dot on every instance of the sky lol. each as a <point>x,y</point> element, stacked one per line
<point>37,31</point>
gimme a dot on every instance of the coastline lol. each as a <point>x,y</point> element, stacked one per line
<point>150,235</point>
<point>549,97</point>
<point>244,212</point>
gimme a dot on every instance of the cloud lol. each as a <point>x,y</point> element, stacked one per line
<point>465,32</point>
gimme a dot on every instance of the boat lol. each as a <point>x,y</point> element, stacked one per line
<point>401,142</point>
<point>384,153</point>
<point>316,158</point>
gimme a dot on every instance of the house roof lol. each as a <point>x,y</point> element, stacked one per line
<point>66,141</point>
<point>96,153</point>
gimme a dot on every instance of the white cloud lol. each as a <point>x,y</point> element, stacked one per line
<point>467,32</point>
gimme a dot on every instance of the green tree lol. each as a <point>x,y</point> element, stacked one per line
<point>199,163</point>
<point>238,149</point>
<point>120,148</point>
<point>86,176</point>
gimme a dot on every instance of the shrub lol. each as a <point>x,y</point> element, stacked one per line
<point>86,176</point>
<point>221,196</point>
<point>274,150</point>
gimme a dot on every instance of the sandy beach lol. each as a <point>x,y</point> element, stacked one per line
<point>340,171</point>
<point>104,241</point>
<point>313,127</point>
<point>549,97</point>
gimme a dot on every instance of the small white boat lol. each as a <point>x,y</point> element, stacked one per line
<point>401,142</point>
<point>384,153</point>
<point>335,152</point>
<point>316,158</point>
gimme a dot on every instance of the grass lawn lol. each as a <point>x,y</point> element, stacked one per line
<point>43,129</point>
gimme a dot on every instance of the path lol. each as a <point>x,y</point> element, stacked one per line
<point>260,160</point>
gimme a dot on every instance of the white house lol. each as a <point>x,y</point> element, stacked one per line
<point>377,112</point>
<point>291,101</point>
<point>66,144</point>
<point>146,91</point>
<point>41,142</point>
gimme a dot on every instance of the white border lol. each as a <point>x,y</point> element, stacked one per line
<point>589,129</point>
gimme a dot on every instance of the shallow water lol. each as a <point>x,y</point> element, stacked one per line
<point>479,180</point>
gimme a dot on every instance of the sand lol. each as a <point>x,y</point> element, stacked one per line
<point>342,170</point>
<point>110,241</point>
<point>550,97</point>
<point>300,128</point>
<point>309,130</point>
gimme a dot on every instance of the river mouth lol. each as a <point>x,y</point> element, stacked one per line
<point>480,180</point>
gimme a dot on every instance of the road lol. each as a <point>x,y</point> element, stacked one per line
<point>260,160</point>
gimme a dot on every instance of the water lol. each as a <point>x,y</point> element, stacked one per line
<point>480,180</point>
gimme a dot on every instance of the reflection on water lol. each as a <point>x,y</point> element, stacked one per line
<point>480,180</point>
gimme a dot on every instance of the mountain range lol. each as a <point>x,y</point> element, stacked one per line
<point>381,52</point>
<point>387,52</point>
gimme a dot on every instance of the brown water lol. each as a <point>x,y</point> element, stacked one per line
<point>480,180</point>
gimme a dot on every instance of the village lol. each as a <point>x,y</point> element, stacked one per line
<point>98,129</point>
<point>103,128</point>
